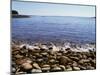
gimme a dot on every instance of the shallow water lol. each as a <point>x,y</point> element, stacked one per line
<point>54,29</point>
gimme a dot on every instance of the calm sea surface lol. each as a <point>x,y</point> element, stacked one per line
<point>54,29</point>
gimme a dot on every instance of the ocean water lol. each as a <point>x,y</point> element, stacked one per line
<point>54,29</point>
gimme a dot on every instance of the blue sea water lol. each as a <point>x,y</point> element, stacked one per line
<point>54,29</point>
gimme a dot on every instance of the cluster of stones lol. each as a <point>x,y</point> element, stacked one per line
<point>42,58</point>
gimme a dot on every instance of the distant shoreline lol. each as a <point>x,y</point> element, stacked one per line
<point>20,16</point>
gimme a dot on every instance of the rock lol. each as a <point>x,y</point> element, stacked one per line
<point>84,61</point>
<point>62,67</point>
<point>52,61</point>
<point>27,66</point>
<point>74,64</point>
<point>28,61</point>
<point>36,66</point>
<point>82,67</point>
<point>43,47</point>
<point>20,61</point>
<point>90,68</point>
<point>69,69</point>
<point>64,60</point>
<point>13,70</point>
<point>36,70</point>
<point>59,54</point>
<point>18,56</point>
<point>40,60</point>
<point>76,68</point>
<point>46,69</point>
<point>36,48</point>
<point>45,66</point>
<point>74,58</point>
<point>56,69</point>
<point>44,54</point>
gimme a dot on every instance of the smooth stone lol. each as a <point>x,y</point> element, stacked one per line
<point>59,54</point>
<point>35,65</point>
<point>36,48</point>
<point>36,70</point>
<point>74,58</point>
<point>46,69</point>
<point>69,69</point>
<point>64,60</point>
<point>46,66</point>
<point>75,64</point>
<point>13,70</point>
<point>55,69</point>
<point>39,60</point>
<point>62,67</point>
<point>45,53</point>
<point>84,61</point>
<point>76,68</point>
<point>52,61</point>
<point>27,66</point>
<point>90,68</point>
<point>43,47</point>
<point>18,56</point>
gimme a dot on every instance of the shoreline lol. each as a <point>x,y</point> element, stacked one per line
<point>40,58</point>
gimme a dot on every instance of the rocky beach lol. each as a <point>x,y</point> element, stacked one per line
<point>41,58</point>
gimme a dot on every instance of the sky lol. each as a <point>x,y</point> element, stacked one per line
<point>51,9</point>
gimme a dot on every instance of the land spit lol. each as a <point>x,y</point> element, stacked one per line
<point>40,58</point>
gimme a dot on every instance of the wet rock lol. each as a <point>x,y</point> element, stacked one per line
<point>36,70</point>
<point>76,68</point>
<point>36,66</point>
<point>27,66</point>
